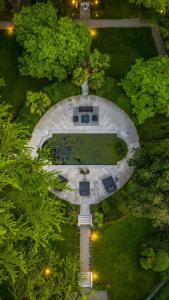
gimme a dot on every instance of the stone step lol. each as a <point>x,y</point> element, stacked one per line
<point>85,220</point>
<point>86,280</point>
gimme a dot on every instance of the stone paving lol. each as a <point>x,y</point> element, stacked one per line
<point>58,119</point>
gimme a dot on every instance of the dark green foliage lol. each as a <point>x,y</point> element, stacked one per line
<point>150,183</point>
<point>147,86</point>
<point>2,6</point>
<point>30,220</point>
<point>163,294</point>
<point>94,72</point>
<point>56,91</point>
<point>16,86</point>
<point>157,260</point>
<point>52,47</point>
<point>164,27</point>
<point>156,4</point>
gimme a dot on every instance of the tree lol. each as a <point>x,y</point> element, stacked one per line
<point>150,183</point>
<point>159,5</point>
<point>52,47</point>
<point>147,86</point>
<point>55,277</point>
<point>38,102</point>
<point>30,221</point>
<point>157,260</point>
<point>94,72</point>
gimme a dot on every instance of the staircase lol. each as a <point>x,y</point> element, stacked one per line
<point>85,279</point>
<point>85,220</point>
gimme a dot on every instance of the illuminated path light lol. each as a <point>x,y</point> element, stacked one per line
<point>93,32</point>
<point>10,29</point>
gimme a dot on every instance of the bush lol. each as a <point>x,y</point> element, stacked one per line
<point>157,260</point>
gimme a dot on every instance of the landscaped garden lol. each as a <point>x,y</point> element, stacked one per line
<point>85,149</point>
<point>39,249</point>
<point>118,244</point>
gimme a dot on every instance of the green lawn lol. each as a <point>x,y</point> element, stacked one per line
<point>115,259</point>
<point>16,85</point>
<point>124,45</point>
<point>85,149</point>
<point>115,9</point>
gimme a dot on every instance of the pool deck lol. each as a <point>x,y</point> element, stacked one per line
<point>59,119</point>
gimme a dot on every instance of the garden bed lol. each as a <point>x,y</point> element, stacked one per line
<point>84,149</point>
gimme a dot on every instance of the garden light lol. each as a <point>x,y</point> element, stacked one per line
<point>95,276</point>
<point>47,272</point>
<point>94,236</point>
<point>10,29</point>
<point>93,33</point>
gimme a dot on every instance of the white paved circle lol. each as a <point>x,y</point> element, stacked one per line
<point>58,119</point>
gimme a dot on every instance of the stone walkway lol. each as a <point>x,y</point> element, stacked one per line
<point>6,24</point>
<point>58,119</point>
<point>115,23</point>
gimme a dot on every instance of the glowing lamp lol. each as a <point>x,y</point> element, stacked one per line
<point>94,236</point>
<point>95,276</point>
<point>93,33</point>
<point>10,29</point>
<point>47,272</point>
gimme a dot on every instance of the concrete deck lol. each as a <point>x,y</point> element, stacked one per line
<point>58,119</point>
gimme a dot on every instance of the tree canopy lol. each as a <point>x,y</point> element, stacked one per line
<point>157,260</point>
<point>30,221</point>
<point>159,5</point>
<point>38,102</point>
<point>52,47</point>
<point>147,85</point>
<point>94,72</point>
<point>150,183</point>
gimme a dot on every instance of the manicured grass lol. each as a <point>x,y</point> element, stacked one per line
<point>124,45</point>
<point>115,9</point>
<point>16,85</point>
<point>92,149</point>
<point>115,259</point>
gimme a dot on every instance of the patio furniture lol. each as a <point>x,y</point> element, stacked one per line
<point>94,118</point>
<point>85,119</point>
<point>109,184</point>
<point>75,118</point>
<point>62,178</point>
<point>84,188</point>
<point>85,108</point>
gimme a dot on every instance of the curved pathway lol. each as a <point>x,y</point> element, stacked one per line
<point>58,119</point>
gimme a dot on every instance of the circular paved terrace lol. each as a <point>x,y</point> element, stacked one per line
<point>59,119</point>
